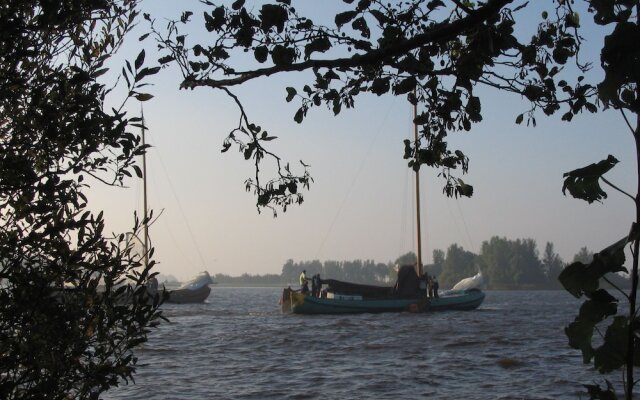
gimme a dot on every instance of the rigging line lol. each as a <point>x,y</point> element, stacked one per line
<point>184,217</point>
<point>464,223</point>
<point>154,185</point>
<point>457,225</point>
<point>453,218</point>
<point>404,214</point>
<point>353,182</point>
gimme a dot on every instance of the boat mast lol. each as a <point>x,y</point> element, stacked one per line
<point>417,172</point>
<point>144,185</point>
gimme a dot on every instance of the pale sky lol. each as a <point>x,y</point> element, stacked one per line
<point>361,203</point>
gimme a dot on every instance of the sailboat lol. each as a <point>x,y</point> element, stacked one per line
<point>406,295</point>
<point>196,290</point>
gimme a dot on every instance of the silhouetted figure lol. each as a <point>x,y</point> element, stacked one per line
<point>429,286</point>
<point>435,286</point>
<point>303,277</point>
<point>152,286</point>
<point>314,285</point>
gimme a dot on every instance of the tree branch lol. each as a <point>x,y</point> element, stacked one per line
<point>441,32</point>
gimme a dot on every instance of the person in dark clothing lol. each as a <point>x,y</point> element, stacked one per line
<point>435,286</point>
<point>314,285</point>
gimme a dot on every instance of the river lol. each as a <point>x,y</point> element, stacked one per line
<point>238,345</point>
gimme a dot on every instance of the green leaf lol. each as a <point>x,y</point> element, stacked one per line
<point>380,86</point>
<point>283,55</point>
<point>464,189</point>
<point>421,119</point>
<point>273,15</point>
<point>320,44</point>
<point>519,119</point>
<point>595,392</point>
<point>345,17</point>
<point>237,4</point>
<point>613,352</point>
<point>360,24</point>
<point>583,183</point>
<point>337,106</point>
<point>299,115</point>
<point>291,92</point>
<point>139,60</point>
<point>144,96</point>
<point>579,279</point>
<point>600,306</point>
<point>261,53</point>
<point>580,334</point>
<point>405,86</point>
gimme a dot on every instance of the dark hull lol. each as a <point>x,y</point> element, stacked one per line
<point>183,296</point>
<point>302,304</point>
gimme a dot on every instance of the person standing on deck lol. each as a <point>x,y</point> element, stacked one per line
<point>435,286</point>
<point>304,287</point>
<point>314,285</point>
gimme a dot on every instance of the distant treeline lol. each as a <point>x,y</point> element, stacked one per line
<point>505,264</point>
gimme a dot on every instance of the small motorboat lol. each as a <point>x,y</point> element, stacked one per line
<point>195,291</point>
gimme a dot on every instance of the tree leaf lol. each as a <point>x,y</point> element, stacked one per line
<point>139,60</point>
<point>291,93</point>
<point>345,17</point>
<point>236,5</point>
<point>613,352</point>
<point>261,53</point>
<point>144,96</point>
<point>583,183</point>
<point>273,15</point>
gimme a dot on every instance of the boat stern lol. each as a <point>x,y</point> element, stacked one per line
<point>290,299</point>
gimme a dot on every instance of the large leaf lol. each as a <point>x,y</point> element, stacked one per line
<point>320,44</point>
<point>613,352</point>
<point>600,306</point>
<point>580,334</point>
<point>273,15</point>
<point>583,183</point>
<point>595,392</point>
<point>344,17</point>
<point>579,278</point>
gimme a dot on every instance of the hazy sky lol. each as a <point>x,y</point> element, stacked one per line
<point>361,203</point>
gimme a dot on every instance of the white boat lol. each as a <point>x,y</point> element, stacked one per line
<point>196,290</point>
<point>406,295</point>
<point>474,282</point>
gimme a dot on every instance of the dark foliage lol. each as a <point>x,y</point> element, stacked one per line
<point>619,346</point>
<point>434,53</point>
<point>68,321</point>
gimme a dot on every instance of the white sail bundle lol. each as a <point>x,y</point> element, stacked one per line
<point>203,279</point>
<point>475,281</point>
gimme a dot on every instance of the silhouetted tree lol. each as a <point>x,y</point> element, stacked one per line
<point>458,264</point>
<point>61,337</point>
<point>433,52</point>
<point>552,264</point>
<point>583,255</point>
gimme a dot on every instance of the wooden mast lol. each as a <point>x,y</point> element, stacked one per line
<point>144,185</point>
<point>417,172</point>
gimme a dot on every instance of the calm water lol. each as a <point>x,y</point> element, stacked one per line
<point>239,346</point>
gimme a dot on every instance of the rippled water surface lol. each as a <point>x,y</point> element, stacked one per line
<point>239,346</point>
